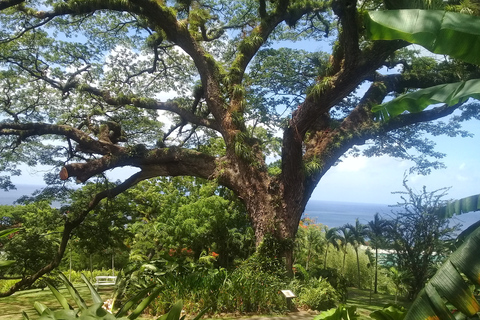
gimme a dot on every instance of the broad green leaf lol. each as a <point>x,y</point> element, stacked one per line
<point>450,94</point>
<point>40,307</point>
<point>450,33</point>
<point>449,284</point>
<point>466,260</point>
<point>61,299</point>
<point>460,206</point>
<point>438,304</point>
<point>64,314</point>
<point>73,292</point>
<point>95,311</point>
<point>95,296</point>
<point>389,313</point>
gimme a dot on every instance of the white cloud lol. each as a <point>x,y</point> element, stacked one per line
<point>352,164</point>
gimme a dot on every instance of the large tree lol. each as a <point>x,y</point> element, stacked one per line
<point>84,87</point>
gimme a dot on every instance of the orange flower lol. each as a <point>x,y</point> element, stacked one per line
<point>214,254</point>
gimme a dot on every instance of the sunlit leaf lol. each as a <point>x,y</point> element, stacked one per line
<point>450,94</point>
<point>448,284</point>
<point>450,33</point>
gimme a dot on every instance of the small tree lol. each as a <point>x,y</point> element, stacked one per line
<point>332,238</point>
<point>358,234</point>
<point>375,232</point>
<point>419,236</point>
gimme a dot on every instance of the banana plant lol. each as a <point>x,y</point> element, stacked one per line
<point>454,34</point>
<point>448,285</point>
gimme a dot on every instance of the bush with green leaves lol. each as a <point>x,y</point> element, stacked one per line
<point>318,294</point>
<point>196,283</point>
<point>255,285</point>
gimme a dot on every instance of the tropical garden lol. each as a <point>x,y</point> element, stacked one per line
<point>227,128</point>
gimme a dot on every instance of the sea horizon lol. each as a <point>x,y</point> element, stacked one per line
<point>326,212</point>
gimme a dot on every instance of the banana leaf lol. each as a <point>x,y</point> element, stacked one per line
<point>450,94</point>
<point>463,205</point>
<point>449,285</point>
<point>450,33</point>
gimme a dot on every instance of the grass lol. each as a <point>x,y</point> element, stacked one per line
<point>366,303</point>
<point>11,307</point>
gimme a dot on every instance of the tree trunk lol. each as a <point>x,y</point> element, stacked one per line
<point>358,269</point>
<point>325,259</point>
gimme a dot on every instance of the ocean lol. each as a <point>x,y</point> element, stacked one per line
<point>337,214</point>
<point>329,213</point>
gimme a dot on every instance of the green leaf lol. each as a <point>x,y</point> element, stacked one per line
<point>448,283</point>
<point>6,232</point>
<point>130,303</point>
<point>174,313</point>
<point>201,313</point>
<point>61,299</point>
<point>73,292</point>
<point>95,296</point>
<point>389,313</point>
<point>451,33</point>
<point>40,307</point>
<point>25,316</point>
<point>64,314</point>
<point>450,94</point>
<point>464,205</point>
<point>145,302</point>
<point>6,263</point>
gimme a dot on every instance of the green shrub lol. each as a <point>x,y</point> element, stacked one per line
<point>251,288</point>
<point>6,284</point>
<point>318,294</point>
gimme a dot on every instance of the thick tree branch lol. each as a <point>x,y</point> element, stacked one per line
<point>25,130</point>
<point>158,162</point>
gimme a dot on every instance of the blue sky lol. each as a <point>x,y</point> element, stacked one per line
<point>372,180</point>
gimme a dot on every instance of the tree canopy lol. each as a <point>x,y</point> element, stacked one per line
<point>213,89</point>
